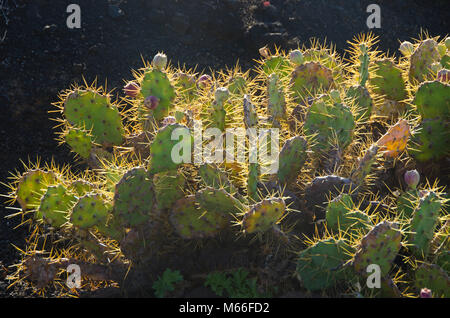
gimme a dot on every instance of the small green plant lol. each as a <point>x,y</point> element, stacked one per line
<point>235,285</point>
<point>167,282</point>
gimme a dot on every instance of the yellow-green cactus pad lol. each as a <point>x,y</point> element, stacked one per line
<point>90,211</point>
<point>93,111</point>
<point>156,83</point>
<point>264,215</point>
<point>80,141</point>
<point>162,146</point>
<point>32,186</point>
<point>310,78</point>
<point>134,196</point>
<point>56,205</point>
<point>191,222</point>
<point>380,246</point>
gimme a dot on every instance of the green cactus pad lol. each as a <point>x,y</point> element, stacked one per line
<point>365,165</point>
<point>191,222</point>
<point>432,140</point>
<point>218,201</point>
<point>424,222</point>
<point>433,277</point>
<point>276,107</point>
<point>310,78</point>
<point>361,97</point>
<point>320,266</point>
<point>291,159</point>
<point>133,198</point>
<point>276,64</point>
<point>215,177</point>
<point>90,211</point>
<point>156,83</point>
<point>162,145</point>
<point>433,100</point>
<point>250,114</point>
<point>263,215</point>
<point>169,187</point>
<point>327,121</point>
<point>421,60</point>
<point>252,181</point>
<point>237,85</point>
<point>80,141</point>
<point>388,81</point>
<point>92,111</point>
<point>342,217</point>
<point>32,186</point>
<point>56,205</point>
<point>380,246</point>
<point>186,86</point>
<point>81,187</point>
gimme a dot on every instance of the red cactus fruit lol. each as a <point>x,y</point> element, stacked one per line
<point>132,89</point>
<point>151,102</point>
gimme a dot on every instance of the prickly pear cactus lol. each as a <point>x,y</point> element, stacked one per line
<point>146,195</point>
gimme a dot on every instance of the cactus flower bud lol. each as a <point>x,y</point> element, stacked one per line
<point>264,51</point>
<point>151,102</point>
<point>132,89</point>
<point>204,81</point>
<point>425,293</point>
<point>412,178</point>
<point>159,61</point>
<point>221,94</point>
<point>447,43</point>
<point>296,57</point>
<point>406,48</point>
<point>443,75</point>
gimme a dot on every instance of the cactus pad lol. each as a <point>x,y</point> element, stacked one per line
<point>156,83</point>
<point>424,222</point>
<point>310,78</point>
<point>80,141</point>
<point>433,277</point>
<point>421,60</point>
<point>395,140</point>
<point>291,159</point>
<point>328,121</point>
<point>32,185</point>
<point>342,217</point>
<point>191,222</point>
<point>433,99</point>
<point>56,205</point>
<point>264,215</point>
<point>92,111</point>
<point>218,201</point>
<point>162,145</point>
<point>133,198</point>
<point>90,211</point>
<point>320,265</point>
<point>169,187</point>
<point>380,246</point>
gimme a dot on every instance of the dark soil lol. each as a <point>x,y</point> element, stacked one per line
<point>40,57</point>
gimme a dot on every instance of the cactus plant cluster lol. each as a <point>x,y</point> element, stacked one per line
<point>348,128</point>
